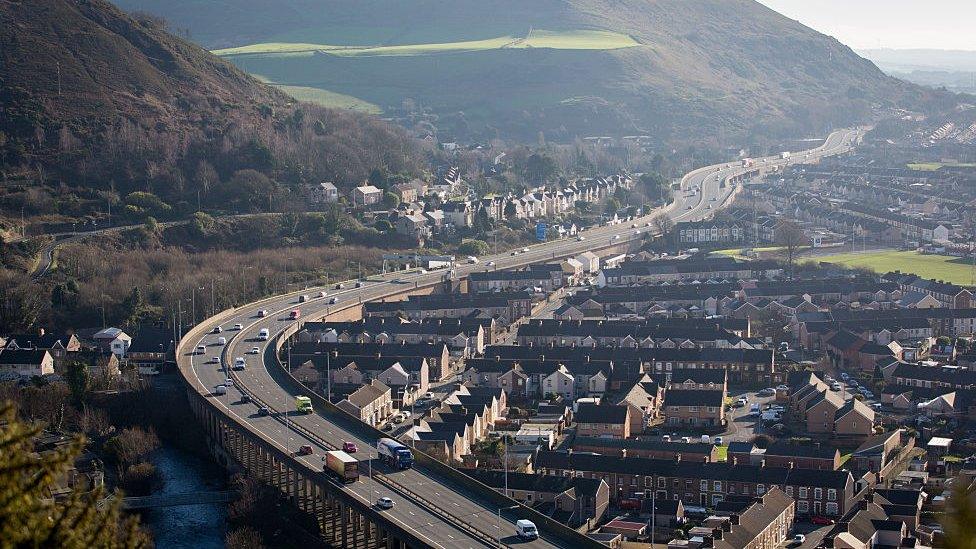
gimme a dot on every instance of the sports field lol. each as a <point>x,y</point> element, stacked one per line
<point>560,40</point>
<point>940,267</point>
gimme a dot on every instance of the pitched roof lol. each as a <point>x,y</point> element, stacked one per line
<point>601,413</point>
<point>694,397</point>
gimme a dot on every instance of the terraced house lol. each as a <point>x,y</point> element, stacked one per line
<point>816,492</point>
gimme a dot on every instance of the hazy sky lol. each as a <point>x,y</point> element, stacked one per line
<point>940,24</point>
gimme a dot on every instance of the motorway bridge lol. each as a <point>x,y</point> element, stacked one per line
<point>436,506</point>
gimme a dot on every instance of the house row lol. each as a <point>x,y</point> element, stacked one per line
<point>322,354</point>
<point>753,367</point>
<point>816,492</point>
<point>538,278</point>
<point>504,307</point>
<point>822,411</point>
<point>633,273</point>
<point>463,336</point>
<point>618,333</point>
<point>948,295</point>
<point>463,418</point>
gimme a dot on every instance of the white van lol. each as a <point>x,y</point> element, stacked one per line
<point>263,334</point>
<point>239,363</point>
<point>525,529</point>
<point>221,341</point>
<point>220,390</point>
<point>201,350</point>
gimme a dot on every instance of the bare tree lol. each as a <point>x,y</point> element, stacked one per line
<point>663,224</point>
<point>790,237</point>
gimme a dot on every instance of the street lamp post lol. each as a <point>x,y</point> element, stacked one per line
<point>500,509</point>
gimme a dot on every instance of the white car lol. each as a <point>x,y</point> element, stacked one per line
<point>228,382</point>
<point>490,264</point>
<point>616,237</point>
<point>238,326</point>
<point>255,350</point>
<point>525,250</point>
<point>580,238</point>
<point>384,503</point>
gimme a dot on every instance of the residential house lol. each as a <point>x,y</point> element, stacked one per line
<point>372,403</point>
<point>366,195</point>
<point>603,420</point>
<point>695,408</point>
<point>26,362</point>
<point>323,193</point>
<point>113,340</point>
<point>573,501</point>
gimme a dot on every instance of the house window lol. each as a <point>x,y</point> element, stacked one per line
<point>818,493</point>
<point>803,506</point>
<point>528,497</point>
<point>717,486</point>
<point>693,408</point>
<point>760,489</point>
<point>703,485</point>
<point>831,508</point>
<point>789,491</point>
<point>662,482</point>
<point>831,495</point>
<point>803,492</point>
<point>731,488</point>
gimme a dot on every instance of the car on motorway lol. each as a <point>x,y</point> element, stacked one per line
<point>220,390</point>
<point>338,286</point>
<point>262,313</point>
<point>239,363</point>
<point>228,382</point>
<point>295,313</point>
<point>580,238</point>
<point>525,529</point>
<point>221,341</point>
<point>633,225</point>
<point>515,252</point>
<point>245,398</point>
<point>472,260</point>
<point>255,351</point>
<point>238,326</point>
<point>264,411</point>
<point>349,447</point>
<point>333,301</point>
<point>302,298</point>
<point>304,450</point>
<point>215,360</point>
<point>359,284</point>
<point>525,250</point>
<point>690,207</point>
<point>323,293</point>
<point>384,503</point>
<point>490,264</point>
<point>201,349</point>
<point>616,237</point>
<point>217,329</point>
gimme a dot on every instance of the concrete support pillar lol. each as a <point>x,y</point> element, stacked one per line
<point>342,524</point>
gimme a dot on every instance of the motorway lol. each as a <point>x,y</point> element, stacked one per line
<point>429,505</point>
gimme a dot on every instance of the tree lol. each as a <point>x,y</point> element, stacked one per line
<point>790,237</point>
<point>960,518</point>
<point>540,168</point>
<point>510,210</point>
<point>473,247</point>
<point>663,224</point>
<point>28,515</point>
<point>391,200</point>
<point>655,186</point>
<point>78,377</point>
<point>613,205</point>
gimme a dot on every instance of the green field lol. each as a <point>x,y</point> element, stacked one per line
<point>951,269</point>
<point>933,166</point>
<point>329,99</point>
<point>560,40</point>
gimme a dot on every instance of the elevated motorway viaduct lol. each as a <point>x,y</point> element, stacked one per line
<point>436,506</point>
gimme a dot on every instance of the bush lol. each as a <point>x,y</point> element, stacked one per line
<point>141,479</point>
<point>762,441</point>
<point>473,247</point>
<point>131,446</point>
<point>244,537</point>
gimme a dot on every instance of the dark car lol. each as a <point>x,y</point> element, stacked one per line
<point>264,411</point>
<point>304,450</point>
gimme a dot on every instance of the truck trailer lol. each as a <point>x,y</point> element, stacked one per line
<point>343,466</point>
<point>394,453</point>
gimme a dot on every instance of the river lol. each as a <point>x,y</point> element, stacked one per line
<point>194,526</point>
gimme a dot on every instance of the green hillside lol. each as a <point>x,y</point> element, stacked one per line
<point>672,68</point>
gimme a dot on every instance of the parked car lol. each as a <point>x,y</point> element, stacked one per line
<point>821,520</point>
<point>768,391</point>
<point>799,538</point>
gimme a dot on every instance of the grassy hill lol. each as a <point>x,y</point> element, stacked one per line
<point>96,104</point>
<point>678,69</point>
